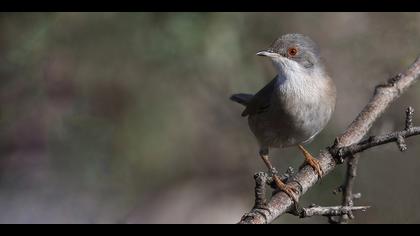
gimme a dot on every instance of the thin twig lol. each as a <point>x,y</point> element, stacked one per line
<point>261,179</point>
<point>377,141</point>
<point>330,211</point>
<point>348,195</point>
<point>409,118</point>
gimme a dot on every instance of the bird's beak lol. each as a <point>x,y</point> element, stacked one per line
<point>267,53</point>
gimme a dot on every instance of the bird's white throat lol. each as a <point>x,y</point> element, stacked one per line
<point>297,80</point>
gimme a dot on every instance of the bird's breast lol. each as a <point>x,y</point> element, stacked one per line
<point>300,109</point>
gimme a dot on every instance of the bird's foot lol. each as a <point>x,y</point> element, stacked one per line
<point>290,191</point>
<point>312,161</point>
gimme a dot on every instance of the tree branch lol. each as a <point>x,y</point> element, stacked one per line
<point>397,137</point>
<point>384,95</point>
<point>329,211</point>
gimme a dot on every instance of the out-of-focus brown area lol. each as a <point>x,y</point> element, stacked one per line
<point>125,117</point>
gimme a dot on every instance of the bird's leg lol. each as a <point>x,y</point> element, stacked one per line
<point>312,161</point>
<point>273,172</point>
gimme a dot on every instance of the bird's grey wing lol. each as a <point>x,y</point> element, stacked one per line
<point>260,102</point>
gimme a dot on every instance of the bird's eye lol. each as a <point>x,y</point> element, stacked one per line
<point>292,51</point>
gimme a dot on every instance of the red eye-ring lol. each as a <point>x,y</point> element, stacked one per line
<point>292,51</point>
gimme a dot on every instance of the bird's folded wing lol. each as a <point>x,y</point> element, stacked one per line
<point>261,100</point>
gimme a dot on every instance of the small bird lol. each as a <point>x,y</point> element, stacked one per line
<point>295,106</point>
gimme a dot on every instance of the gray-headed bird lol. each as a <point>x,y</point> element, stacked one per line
<point>295,106</point>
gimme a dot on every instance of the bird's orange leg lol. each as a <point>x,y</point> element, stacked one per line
<point>312,161</point>
<point>282,186</point>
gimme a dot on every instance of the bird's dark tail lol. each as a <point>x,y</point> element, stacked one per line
<point>241,98</point>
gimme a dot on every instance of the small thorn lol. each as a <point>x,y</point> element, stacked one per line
<point>357,195</point>
<point>260,175</point>
<point>273,171</point>
<point>290,170</point>
<point>409,118</point>
<point>286,176</point>
<point>313,205</point>
<point>332,220</point>
<point>337,190</point>
<point>393,80</point>
<point>336,141</point>
<point>340,155</point>
<point>401,143</point>
<point>350,215</point>
<point>373,138</point>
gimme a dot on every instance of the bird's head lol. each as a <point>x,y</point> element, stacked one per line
<point>294,52</point>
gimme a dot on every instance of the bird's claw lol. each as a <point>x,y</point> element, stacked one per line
<point>314,163</point>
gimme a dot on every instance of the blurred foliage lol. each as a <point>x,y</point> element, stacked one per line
<point>125,117</point>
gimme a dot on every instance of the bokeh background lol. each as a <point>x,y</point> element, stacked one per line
<point>125,117</point>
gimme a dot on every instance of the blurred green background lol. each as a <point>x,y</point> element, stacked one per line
<point>125,117</point>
